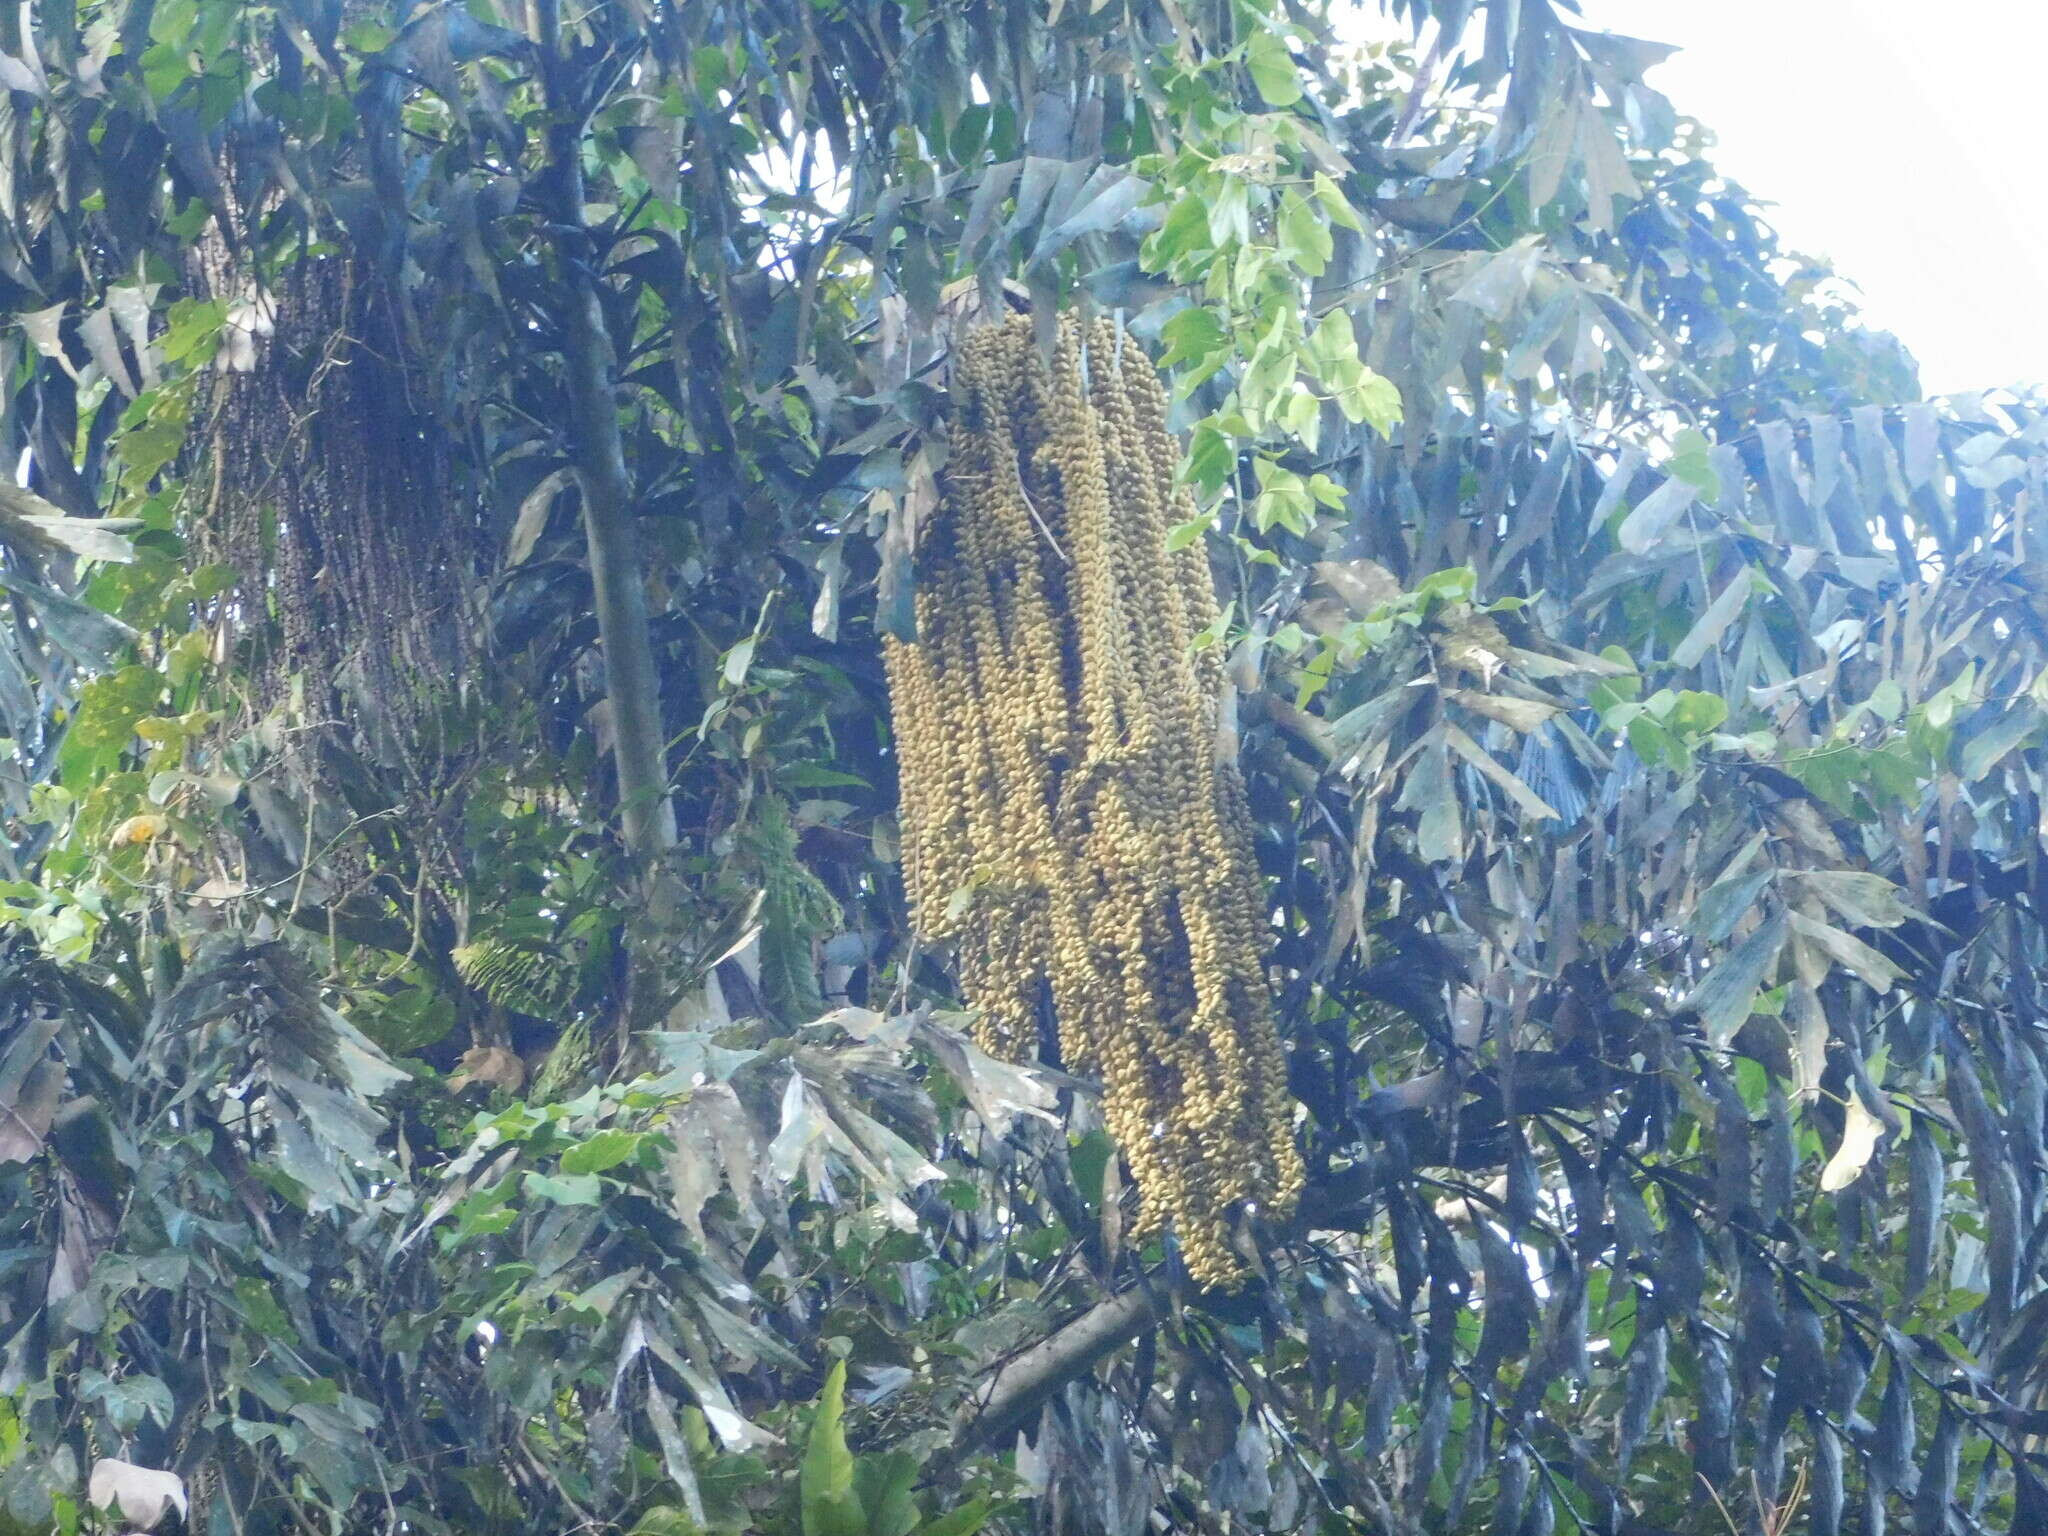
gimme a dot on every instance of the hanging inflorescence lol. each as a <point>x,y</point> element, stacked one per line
<point>329,491</point>
<point>1069,821</point>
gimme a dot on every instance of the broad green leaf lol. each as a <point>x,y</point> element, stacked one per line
<point>1192,335</point>
<point>1333,344</point>
<point>570,1189</point>
<point>1336,205</point>
<point>739,660</point>
<point>193,331</point>
<point>534,511</point>
<point>1367,397</point>
<point>1103,208</point>
<point>1304,235</point>
<point>1229,214</point>
<point>607,1149</point>
<point>1272,69</point>
<point>1692,462</point>
<point>1088,1158</point>
<point>602,1297</point>
<point>1211,459</point>
<point>1184,233</point>
<point>964,1521</point>
<point>885,1484</point>
<point>1695,714</point>
<point>258,1304</point>
<point>830,1505</point>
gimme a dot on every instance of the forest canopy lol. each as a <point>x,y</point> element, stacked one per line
<point>626,906</point>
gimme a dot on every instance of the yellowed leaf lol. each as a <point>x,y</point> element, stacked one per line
<point>1860,1130</point>
<point>491,1065</point>
<point>140,831</point>
<point>1362,584</point>
<point>1523,715</point>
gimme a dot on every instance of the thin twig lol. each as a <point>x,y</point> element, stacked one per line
<point>1032,508</point>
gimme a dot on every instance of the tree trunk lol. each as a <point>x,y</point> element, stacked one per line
<point>647,827</point>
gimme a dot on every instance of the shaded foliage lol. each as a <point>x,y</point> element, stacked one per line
<point>1638,685</point>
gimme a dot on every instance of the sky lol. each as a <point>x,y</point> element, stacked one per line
<point>1899,139</point>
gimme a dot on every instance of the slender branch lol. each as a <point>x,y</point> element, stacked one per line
<point>1015,1390</point>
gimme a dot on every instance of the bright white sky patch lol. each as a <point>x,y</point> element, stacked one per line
<point>1901,140</point>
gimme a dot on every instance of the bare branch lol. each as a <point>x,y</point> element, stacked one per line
<point>1017,1389</point>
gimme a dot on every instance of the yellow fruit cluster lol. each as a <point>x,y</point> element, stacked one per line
<point>1069,821</point>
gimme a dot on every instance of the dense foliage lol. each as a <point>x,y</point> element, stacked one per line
<point>466,1062</point>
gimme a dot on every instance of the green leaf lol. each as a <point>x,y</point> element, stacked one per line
<point>1725,994</point>
<point>1192,335</point>
<point>1983,751</point>
<point>103,725</point>
<point>1692,462</point>
<point>1454,583</point>
<point>1211,458</point>
<point>825,1481</point>
<point>1301,413</point>
<point>174,21</point>
<point>607,1149</point>
<point>1315,676</point>
<point>1089,1158</point>
<point>1229,214</point>
<point>368,37</point>
<point>131,1398</point>
<point>885,1484</point>
<point>1304,234</point>
<point>1723,904</point>
<point>1326,491</point>
<point>970,134</point>
<point>1184,233</point>
<point>816,776</point>
<point>1215,630</point>
<point>571,1189</point>
<point>1336,205</point>
<point>1272,69</point>
<point>1284,498</point>
<point>260,1306</point>
<point>1369,398</point>
<point>1333,348</point>
<point>192,331</point>
<point>1656,745</point>
<point>603,1296</point>
<point>1695,714</point>
<point>964,1521</point>
<point>164,69</point>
